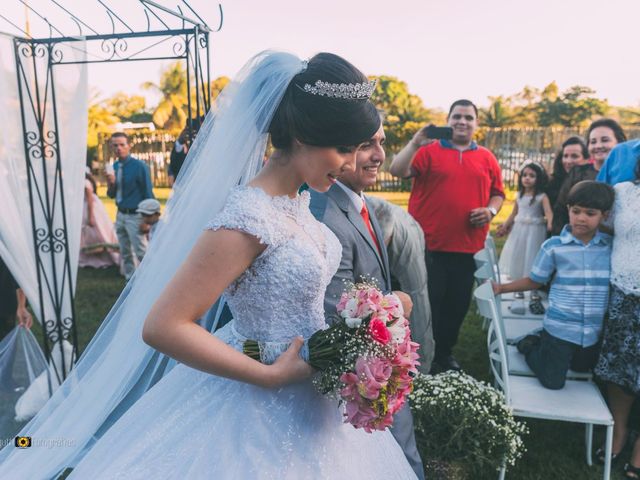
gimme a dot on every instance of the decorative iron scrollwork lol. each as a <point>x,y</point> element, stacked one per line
<point>47,242</point>
<point>180,45</point>
<point>116,48</point>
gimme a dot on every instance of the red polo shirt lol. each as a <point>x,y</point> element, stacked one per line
<point>448,184</point>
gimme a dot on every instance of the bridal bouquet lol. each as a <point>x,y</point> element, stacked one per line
<point>366,358</point>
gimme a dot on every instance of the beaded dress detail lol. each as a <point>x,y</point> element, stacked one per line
<point>195,425</point>
<point>625,261</point>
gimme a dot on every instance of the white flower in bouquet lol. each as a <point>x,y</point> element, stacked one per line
<point>350,313</point>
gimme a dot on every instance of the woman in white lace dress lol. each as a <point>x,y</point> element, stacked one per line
<point>220,414</point>
<point>619,363</point>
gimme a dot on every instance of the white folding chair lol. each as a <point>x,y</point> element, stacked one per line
<point>505,301</point>
<point>514,328</point>
<point>481,257</point>
<point>578,401</point>
<point>492,253</point>
<point>512,331</point>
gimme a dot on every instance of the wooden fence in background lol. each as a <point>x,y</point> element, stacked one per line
<point>512,148</point>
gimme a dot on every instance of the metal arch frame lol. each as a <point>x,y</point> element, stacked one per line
<point>190,43</point>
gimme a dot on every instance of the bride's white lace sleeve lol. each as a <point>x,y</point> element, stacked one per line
<point>249,210</point>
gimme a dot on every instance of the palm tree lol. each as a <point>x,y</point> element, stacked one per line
<point>498,114</point>
<point>171,114</point>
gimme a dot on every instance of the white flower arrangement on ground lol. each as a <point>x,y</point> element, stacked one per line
<point>460,419</point>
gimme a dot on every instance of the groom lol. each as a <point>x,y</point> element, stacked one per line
<point>345,210</point>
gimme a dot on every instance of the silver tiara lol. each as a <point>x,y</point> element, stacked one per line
<point>352,91</point>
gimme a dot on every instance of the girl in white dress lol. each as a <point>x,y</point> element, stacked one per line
<point>528,224</point>
<point>218,413</point>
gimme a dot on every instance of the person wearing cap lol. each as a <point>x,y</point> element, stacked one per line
<point>129,183</point>
<point>150,211</point>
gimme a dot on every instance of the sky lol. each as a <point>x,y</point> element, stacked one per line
<point>443,50</point>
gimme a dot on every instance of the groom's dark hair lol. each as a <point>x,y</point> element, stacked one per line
<point>320,120</point>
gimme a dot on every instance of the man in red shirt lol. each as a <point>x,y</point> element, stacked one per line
<point>457,190</point>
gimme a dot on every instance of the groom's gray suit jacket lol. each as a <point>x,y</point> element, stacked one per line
<point>361,259</point>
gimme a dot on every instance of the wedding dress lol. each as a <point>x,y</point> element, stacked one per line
<point>196,425</point>
<point>127,411</point>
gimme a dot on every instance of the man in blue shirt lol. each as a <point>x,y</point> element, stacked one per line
<point>129,184</point>
<point>580,258</point>
<point>621,163</point>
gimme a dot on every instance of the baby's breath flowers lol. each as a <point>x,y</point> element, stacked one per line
<point>460,419</point>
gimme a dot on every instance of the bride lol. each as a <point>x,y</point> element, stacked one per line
<point>219,413</point>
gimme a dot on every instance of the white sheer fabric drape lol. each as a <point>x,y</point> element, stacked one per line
<point>16,238</point>
<point>60,204</point>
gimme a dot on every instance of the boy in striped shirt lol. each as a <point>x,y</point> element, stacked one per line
<point>577,262</point>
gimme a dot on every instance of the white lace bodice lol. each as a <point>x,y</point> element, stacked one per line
<point>529,213</point>
<point>625,261</point>
<point>281,295</point>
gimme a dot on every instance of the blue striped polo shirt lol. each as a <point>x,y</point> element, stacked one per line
<point>580,289</point>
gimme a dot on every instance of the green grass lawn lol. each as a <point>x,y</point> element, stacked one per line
<point>555,450</point>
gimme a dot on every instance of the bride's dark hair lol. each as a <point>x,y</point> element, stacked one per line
<point>319,120</point>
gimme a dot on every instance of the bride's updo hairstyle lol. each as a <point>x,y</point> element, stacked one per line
<point>320,120</point>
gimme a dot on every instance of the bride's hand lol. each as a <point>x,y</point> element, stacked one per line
<point>289,367</point>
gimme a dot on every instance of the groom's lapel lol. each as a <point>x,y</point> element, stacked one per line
<point>383,250</point>
<point>346,205</point>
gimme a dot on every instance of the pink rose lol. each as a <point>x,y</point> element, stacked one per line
<point>379,331</point>
<point>358,414</point>
<point>370,377</point>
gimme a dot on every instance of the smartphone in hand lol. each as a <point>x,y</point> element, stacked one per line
<point>439,133</point>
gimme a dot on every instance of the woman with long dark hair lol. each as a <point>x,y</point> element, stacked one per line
<point>602,135</point>
<point>572,152</point>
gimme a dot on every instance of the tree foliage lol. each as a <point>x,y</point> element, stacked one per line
<point>404,112</point>
<point>170,113</point>
<point>629,116</point>
<point>217,85</point>
<point>129,108</point>
<point>573,107</point>
<point>101,119</point>
<point>544,108</point>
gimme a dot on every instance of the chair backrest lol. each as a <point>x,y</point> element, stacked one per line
<point>481,257</point>
<point>492,252</point>
<point>483,273</point>
<point>496,342</point>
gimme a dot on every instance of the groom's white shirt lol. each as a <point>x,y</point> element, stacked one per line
<point>358,200</point>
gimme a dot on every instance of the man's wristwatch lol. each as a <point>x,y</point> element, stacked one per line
<point>493,211</point>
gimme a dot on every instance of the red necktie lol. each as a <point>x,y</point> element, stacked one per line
<point>364,213</point>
